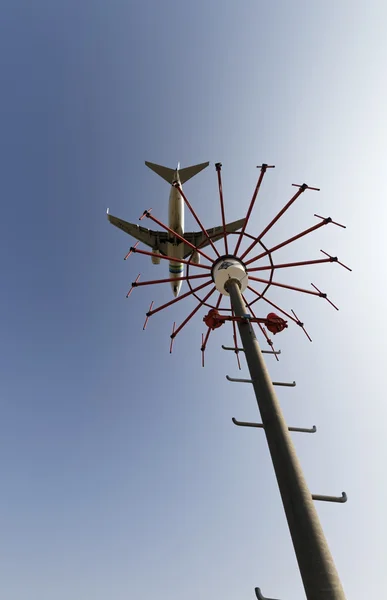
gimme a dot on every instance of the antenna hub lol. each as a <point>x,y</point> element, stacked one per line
<point>229,267</point>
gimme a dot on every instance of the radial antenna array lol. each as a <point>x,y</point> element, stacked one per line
<point>222,285</point>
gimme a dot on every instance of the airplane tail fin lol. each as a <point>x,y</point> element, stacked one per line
<point>170,174</point>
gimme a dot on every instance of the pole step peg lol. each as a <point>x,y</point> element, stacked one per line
<point>261,426</point>
<point>340,499</point>
<point>259,595</point>
<point>242,350</point>
<point>237,380</point>
<point>280,383</point>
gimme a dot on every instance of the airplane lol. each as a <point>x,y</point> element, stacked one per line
<point>162,242</point>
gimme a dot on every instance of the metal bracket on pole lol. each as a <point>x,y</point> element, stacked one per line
<point>341,499</point>
<point>261,426</point>
<point>242,350</point>
<point>259,595</point>
<point>283,384</point>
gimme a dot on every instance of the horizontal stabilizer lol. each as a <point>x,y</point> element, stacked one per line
<point>170,174</point>
<point>189,172</point>
<point>164,172</point>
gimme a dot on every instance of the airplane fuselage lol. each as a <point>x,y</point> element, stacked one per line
<point>176,248</point>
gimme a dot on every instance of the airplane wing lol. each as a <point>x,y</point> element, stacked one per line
<point>155,239</point>
<point>198,239</point>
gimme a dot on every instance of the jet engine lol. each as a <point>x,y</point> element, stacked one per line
<point>156,259</point>
<point>195,258</point>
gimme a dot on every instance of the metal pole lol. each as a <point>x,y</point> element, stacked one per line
<point>318,571</point>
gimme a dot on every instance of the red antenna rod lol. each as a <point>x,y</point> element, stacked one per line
<point>218,167</point>
<point>205,339</point>
<point>175,300</point>
<point>334,259</point>
<point>302,326</point>
<point>300,264</point>
<point>301,190</point>
<point>170,258</point>
<point>269,302</point>
<point>131,250</point>
<point>156,281</point>
<point>324,296</point>
<point>174,334</point>
<point>147,315</point>
<point>269,341</point>
<point>289,287</point>
<point>234,335</point>
<point>177,186</point>
<point>172,338</point>
<point>263,168</point>
<point>292,239</point>
<point>134,284</point>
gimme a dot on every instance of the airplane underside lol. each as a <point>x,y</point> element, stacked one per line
<point>160,242</point>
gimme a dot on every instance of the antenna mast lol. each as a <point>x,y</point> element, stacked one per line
<point>233,274</point>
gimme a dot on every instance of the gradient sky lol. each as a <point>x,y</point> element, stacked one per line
<point>122,473</point>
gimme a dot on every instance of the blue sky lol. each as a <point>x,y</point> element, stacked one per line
<point>123,475</point>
